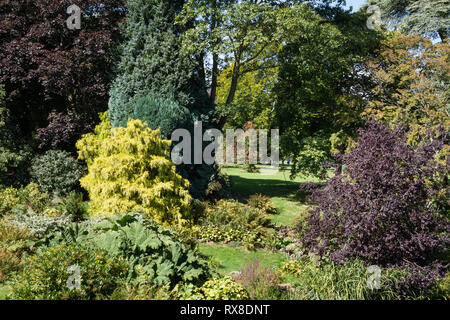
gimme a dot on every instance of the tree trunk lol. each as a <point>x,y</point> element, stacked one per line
<point>234,83</point>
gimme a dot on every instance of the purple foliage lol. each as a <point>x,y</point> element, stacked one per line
<point>309,187</point>
<point>63,131</point>
<point>378,208</point>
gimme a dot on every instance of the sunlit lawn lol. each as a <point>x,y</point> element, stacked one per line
<point>230,258</point>
<point>276,185</point>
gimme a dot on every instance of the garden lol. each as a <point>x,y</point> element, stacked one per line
<point>93,205</point>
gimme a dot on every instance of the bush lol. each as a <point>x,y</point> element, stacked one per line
<point>260,282</point>
<point>13,243</point>
<point>74,206</point>
<point>157,256</point>
<point>15,153</point>
<point>130,170</point>
<point>47,274</point>
<point>22,200</point>
<point>232,221</point>
<point>381,208</point>
<point>263,203</point>
<point>63,131</point>
<point>214,289</point>
<point>38,224</point>
<point>57,172</point>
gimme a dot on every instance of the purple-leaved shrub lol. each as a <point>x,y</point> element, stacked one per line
<point>386,206</point>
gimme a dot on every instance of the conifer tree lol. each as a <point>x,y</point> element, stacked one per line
<point>157,82</point>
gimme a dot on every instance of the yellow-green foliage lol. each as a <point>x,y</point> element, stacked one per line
<point>214,289</point>
<point>130,170</point>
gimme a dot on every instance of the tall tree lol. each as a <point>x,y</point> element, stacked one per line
<point>412,77</point>
<point>422,17</point>
<point>319,88</point>
<point>159,83</point>
<point>44,65</point>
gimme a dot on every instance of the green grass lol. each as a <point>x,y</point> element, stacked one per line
<point>4,292</point>
<point>278,186</point>
<point>235,258</point>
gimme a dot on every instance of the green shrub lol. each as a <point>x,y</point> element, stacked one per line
<point>9,198</point>
<point>14,151</point>
<point>47,274</point>
<point>14,200</point>
<point>229,221</point>
<point>214,289</point>
<point>57,172</point>
<point>156,255</point>
<point>13,244</point>
<point>130,170</point>
<point>74,206</point>
<point>263,203</point>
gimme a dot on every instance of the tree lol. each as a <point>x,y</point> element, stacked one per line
<point>422,17</point>
<point>130,171</point>
<point>411,75</point>
<point>157,80</point>
<point>321,84</point>
<point>46,66</point>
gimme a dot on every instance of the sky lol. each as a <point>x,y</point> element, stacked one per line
<point>356,4</point>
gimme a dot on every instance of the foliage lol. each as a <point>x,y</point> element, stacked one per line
<point>38,224</point>
<point>130,170</point>
<point>156,255</point>
<point>214,289</point>
<point>13,244</point>
<point>263,203</point>
<point>63,131</point>
<point>411,75</point>
<point>381,208</point>
<point>328,281</point>
<point>260,282</point>
<point>421,17</point>
<point>319,85</point>
<point>229,221</point>
<point>14,152</point>
<point>46,274</point>
<point>74,206</point>
<point>157,112</point>
<point>23,199</point>
<point>57,172</point>
<point>46,66</point>
<point>173,96</point>
<point>253,100</point>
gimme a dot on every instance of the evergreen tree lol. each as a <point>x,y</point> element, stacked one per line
<point>157,83</point>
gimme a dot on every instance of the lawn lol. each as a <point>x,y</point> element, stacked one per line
<point>277,185</point>
<point>235,258</point>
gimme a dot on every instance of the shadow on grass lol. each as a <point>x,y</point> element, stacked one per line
<point>268,187</point>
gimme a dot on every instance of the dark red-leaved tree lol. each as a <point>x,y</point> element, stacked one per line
<point>44,65</point>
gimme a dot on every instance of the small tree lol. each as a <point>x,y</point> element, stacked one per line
<point>130,170</point>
